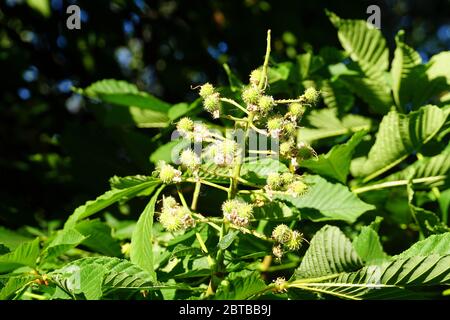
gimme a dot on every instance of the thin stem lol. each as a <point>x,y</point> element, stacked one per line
<point>34,296</point>
<point>214,185</point>
<point>234,103</point>
<point>391,184</point>
<point>181,196</point>
<point>263,80</point>
<point>262,152</point>
<point>235,118</point>
<point>252,232</point>
<point>211,262</point>
<point>260,131</point>
<point>196,195</point>
<point>298,100</point>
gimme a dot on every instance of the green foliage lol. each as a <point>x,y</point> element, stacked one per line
<point>341,139</point>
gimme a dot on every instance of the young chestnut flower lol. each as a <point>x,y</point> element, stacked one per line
<point>223,152</point>
<point>297,188</point>
<point>296,109</point>
<point>295,242</point>
<point>174,217</point>
<point>305,151</point>
<point>311,95</point>
<point>185,127</point>
<point>207,90</point>
<point>251,95</point>
<point>287,148</point>
<point>255,77</point>
<point>212,105</point>
<point>167,173</point>
<point>277,252</point>
<point>189,159</point>
<point>265,104</point>
<point>238,212</point>
<point>282,233</point>
<point>280,285</point>
<point>275,126</point>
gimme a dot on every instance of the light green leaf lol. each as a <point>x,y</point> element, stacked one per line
<point>336,163</point>
<point>15,284</point>
<point>433,171</point>
<point>367,48</point>
<point>144,108</point>
<point>64,240</point>
<point>330,252</point>
<point>428,222</point>
<point>228,239</point>
<point>141,252</point>
<point>25,254</point>
<point>169,151</point>
<point>406,72</point>
<point>327,201</point>
<point>114,273</point>
<point>235,84</point>
<point>336,95</point>
<point>391,280</point>
<point>98,237</point>
<point>107,199</point>
<point>435,244</point>
<point>243,285</point>
<point>41,6</point>
<point>400,135</point>
<point>368,246</point>
<point>11,239</point>
<point>324,123</point>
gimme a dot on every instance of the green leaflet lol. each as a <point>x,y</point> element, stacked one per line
<point>427,221</point>
<point>336,163</point>
<point>367,48</point>
<point>327,201</point>
<point>11,239</point>
<point>98,237</point>
<point>398,136</point>
<point>330,252</point>
<point>107,199</point>
<point>435,244</point>
<point>336,95</point>
<point>407,74</point>
<point>15,284</point>
<point>141,252</point>
<point>431,171</point>
<point>368,246</point>
<point>243,285</point>
<point>63,241</point>
<point>145,109</point>
<point>25,254</point>
<point>91,276</point>
<point>324,123</point>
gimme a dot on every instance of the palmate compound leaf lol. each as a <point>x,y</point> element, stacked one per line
<point>399,135</point>
<point>141,252</point>
<point>427,263</point>
<point>92,276</point>
<point>336,163</point>
<point>325,200</point>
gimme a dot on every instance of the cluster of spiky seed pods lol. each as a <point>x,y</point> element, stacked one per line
<point>265,115</point>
